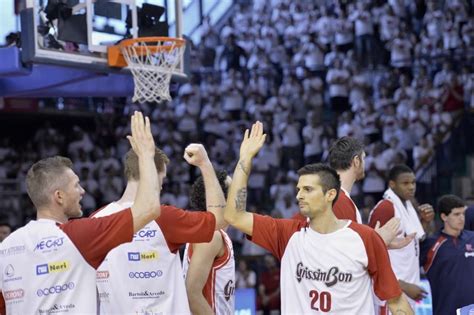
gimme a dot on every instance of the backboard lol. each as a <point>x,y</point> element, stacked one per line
<point>77,32</point>
<point>64,46</point>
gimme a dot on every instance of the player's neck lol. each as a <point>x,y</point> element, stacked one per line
<point>46,213</point>
<point>347,180</point>
<point>325,222</point>
<point>450,231</point>
<point>130,192</point>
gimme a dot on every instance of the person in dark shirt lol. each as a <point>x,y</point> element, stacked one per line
<point>448,259</point>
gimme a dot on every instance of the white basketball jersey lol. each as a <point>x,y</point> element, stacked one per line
<point>405,261</point>
<point>42,272</point>
<point>141,277</point>
<point>219,289</point>
<point>323,272</point>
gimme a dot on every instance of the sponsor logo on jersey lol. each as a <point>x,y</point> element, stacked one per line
<point>57,308</point>
<point>55,289</point>
<point>143,256</point>
<point>330,277</point>
<point>229,290</point>
<point>145,234</point>
<point>59,266</point>
<point>14,250</point>
<point>13,294</point>
<point>145,294</point>
<point>102,274</point>
<point>9,273</point>
<point>145,274</point>
<point>51,243</point>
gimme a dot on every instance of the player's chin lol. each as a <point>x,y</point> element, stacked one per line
<point>78,213</point>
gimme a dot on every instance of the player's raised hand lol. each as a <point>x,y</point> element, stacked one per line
<point>253,141</point>
<point>195,154</point>
<point>141,139</point>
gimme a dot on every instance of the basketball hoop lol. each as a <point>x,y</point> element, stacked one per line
<point>152,61</point>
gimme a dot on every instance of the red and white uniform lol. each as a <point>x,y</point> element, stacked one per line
<point>404,261</point>
<point>50,268</point>
<point>220,285</point>
<point>145,276</point>
<point>345,209</point>
<point>327,273</point>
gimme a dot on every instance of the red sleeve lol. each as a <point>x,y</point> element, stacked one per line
<point>274,234</point>
<point>95,237</point>
<point>180,226</point>
<point>382,212</point>
<point>385,283</point>
<point>300,217</point>
<point>3,310</point>
<point>344,208</point>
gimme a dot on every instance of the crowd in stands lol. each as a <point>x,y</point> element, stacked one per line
<point>397,75</point>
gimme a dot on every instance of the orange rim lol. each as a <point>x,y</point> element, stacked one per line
<point>115,56</point>
<point>178,42</point>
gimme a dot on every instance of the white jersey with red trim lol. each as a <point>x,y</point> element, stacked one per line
<point>43,272</point>
<point>348,195</point>
<point>220,285</point>
<point>143,276</point>
<point>329,269</point>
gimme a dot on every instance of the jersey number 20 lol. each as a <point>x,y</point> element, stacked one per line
<point>324,304</point>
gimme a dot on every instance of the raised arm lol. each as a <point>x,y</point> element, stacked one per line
<point>235,211</point>
<point>146,206</point>
<point>195,154</point>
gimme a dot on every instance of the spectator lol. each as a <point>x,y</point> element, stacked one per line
<point>446,258</point>
<point>364,32</point>
<point>245,277</point>
<point>268,298</point>
<point>338,81</point>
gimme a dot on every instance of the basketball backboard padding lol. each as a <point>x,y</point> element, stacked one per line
<point>41,80</point>
<point>11,62</point>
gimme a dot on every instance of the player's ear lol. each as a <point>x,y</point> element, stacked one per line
<point>391,184</point>
<point>331,195</point>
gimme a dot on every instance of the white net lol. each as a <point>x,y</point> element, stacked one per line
<point>152,64</point>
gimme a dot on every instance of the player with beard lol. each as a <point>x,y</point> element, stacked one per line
<point>347,157</point>
<point>50,264</point>
<point>328,265</point>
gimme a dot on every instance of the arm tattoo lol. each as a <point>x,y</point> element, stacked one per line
<point>246,170</point>
<point>216,206</point>
<point>241,199</point>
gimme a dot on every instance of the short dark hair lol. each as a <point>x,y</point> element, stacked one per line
<point>197,196</point>
<point>448,202</point>
<point>5,223</point>
<point>396,170</point>
<point>131,170</point>
<point>44,177</point>
<point>328,177</point>
<point>342,151</point>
